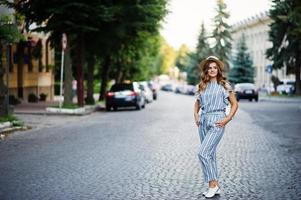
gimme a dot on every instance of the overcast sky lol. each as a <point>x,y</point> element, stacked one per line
<point>182,24</point>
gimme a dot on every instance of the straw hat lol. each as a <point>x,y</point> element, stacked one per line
<point>211,58</point>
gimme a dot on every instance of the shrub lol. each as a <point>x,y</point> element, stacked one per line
<point>43,97</point>
<point>13,100</point>
<point>32,98</point>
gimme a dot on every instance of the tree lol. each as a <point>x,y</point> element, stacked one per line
<point>243,70</point>
<point>202,50</point>
<point>71,17</point>
<point>168,57</point>
<point>221,34</point>
<point>193,72</point>
<point>8,34</point>
<point>181,59</point>
<point>285,35</point>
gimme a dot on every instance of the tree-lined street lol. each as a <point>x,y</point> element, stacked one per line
<point>152,154</point>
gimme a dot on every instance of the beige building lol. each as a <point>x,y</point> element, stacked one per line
<point>256,31</point>
<point>35,74</point>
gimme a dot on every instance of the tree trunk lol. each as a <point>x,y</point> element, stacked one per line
<point>79,69</point>
<point>68,77</point>
<point>119,74</point>
<point>297,73</point>
<point>3,88</point>
<point>104,77</point>
<point>90,81</point>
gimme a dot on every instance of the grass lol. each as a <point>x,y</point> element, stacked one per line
<point>11,118</point>
<point>67,106</point>
<point>8,118</point>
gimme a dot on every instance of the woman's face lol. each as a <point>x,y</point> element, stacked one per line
<point>212,70</point>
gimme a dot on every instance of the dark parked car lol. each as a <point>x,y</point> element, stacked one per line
<point>246,91</point>
<point>167,87</point>
<point>125,95</point>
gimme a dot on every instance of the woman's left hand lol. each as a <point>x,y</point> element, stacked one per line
<point>222,123</point>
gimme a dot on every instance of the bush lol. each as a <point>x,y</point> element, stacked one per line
<point>13,100</point>
<point>43,97</point>
<point>32,98</point>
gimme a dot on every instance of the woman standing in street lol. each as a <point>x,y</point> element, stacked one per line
<point>214,94</point>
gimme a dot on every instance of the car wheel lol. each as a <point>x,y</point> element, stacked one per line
<point>138,107</point>
<point>256,99</point>
<point>114,108</point>
<point>250,99</point>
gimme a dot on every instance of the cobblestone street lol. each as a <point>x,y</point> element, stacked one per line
<point>148,154</point>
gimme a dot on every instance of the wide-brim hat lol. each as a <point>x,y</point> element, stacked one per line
<point>211,58</point>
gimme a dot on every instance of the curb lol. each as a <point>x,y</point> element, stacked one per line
<point>284,100</point>
<point>9,130</point>
<point>53,111</point>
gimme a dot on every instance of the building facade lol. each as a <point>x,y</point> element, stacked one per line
<point>28,65</point>
<point>256,31</point>
<point>34,73</point>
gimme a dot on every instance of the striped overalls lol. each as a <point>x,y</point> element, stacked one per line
<point>213,103</point>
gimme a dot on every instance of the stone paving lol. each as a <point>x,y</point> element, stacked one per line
<point>148,154</point>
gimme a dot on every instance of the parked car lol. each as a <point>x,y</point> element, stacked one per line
<point>190,89</point>
<point>180,89</point>
<point>246,91</point>
<point>125,95</point>
<point>154,88</point>
<point>285,89</point>
<point>167,87</point>
<point>147,91</point>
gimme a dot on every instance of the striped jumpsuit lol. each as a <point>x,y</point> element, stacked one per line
<point>213,101</point>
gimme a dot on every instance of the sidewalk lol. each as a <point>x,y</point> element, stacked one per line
<point>39,108</point>
<point>284,99</point>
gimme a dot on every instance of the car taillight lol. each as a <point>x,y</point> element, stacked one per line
<point>110,94</point>
<point>133,94</point>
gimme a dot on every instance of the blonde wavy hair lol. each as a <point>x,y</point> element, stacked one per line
<point>205,79</point>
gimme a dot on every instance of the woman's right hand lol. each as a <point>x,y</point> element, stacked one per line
<point>197,119</point>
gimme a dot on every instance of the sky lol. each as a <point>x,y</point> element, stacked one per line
<point>182,24</point>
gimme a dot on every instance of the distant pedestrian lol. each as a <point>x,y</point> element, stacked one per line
<point>213,96</point>
<point>74,88</point>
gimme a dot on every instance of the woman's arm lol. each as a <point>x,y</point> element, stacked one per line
<point>196,112</point>
<point>234,107</point>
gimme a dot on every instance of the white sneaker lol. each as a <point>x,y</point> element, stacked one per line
<point>211,192</point>
<point>217,192</point>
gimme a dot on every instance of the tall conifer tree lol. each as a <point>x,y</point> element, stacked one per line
<point>221,34</point>
<point>243,70</point>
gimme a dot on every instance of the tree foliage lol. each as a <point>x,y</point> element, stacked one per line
<point>116,32</point>
<point>243,70</point>
<point>221,34</point>
<point>285,35</point>
<point>203,49</point>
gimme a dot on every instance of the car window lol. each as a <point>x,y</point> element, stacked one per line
<point>121,87</point>
<point>245,86</point>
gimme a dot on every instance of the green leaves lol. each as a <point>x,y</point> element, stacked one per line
<point>221,33</point>
<point>243,70</point>
<point>9,32</point>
